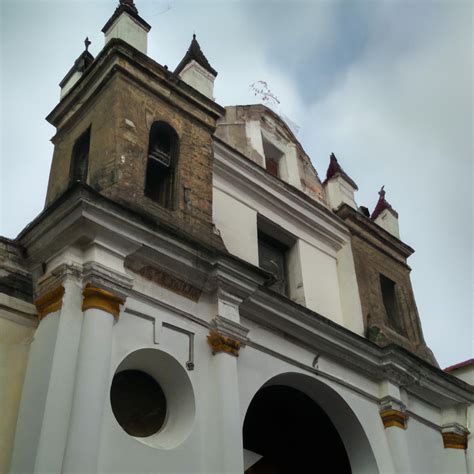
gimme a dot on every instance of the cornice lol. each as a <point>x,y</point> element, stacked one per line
<point>232,167</point>
<point>106,64</point>
<point>372,232</point>
<point>350,350</point>
<point>83,216</point>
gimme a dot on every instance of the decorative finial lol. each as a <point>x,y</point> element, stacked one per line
<point>382,192</point>
<point>194,36</point>
<point>87,43</point>
<point>129,5</point>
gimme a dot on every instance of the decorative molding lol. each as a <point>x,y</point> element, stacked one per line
<point>221,343</point>
<point>354,352</point>
<point>50,302</point>
<point>454,436</point>
<point>394,418</point>
<point>170,282</point>
<point>230,166</point>
<point>57,276</point>
<point>104,300</point>
<point>97,275</point>
<point>230,329</point>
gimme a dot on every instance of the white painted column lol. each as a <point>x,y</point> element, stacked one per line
<point>454,440</point>
<point>225,339</point>
<point>394,419</point>
<point>231,442</point>
<point>92,381</point>
<point>47,391</point>
<point>52,441</point>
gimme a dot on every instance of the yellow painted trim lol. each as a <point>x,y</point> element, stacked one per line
<point>220,343</point>
<point>394,418</point>
<point>98,298</point>
<point>50,302</point>
<point>454,440</point>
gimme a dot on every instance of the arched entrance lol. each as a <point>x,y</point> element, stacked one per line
<point>296,423</point>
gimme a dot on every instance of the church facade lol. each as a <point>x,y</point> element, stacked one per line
<point>194,298</point>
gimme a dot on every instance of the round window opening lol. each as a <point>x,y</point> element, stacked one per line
<point>138,403</point>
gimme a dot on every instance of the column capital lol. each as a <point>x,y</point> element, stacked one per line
<point>50,302</point>
<point>393,413</point>
<point>104,300</point>
<point>454,436</point>
<point>221,343</point>
<point>226,336</point>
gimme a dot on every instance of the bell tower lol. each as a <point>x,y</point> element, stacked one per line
<point>136,132</point>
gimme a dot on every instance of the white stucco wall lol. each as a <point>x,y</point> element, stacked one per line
<point>129,30</point>
<point>339,191</point>
<point>320,280</point>
<point>196,76</point>
<point>237,224</point>
<point>349,291</point>
<point>389,222</point>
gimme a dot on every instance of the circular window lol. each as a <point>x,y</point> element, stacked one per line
<point>152,398</point>
<point>138,403</point>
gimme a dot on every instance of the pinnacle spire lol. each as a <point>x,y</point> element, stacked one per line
<point>336,169</point>
<point>129,7</point>
<point>382,204</point>
<point>195,53</point>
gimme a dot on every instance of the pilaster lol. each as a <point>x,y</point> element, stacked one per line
<point>455,445</point>
<point>395,421</point>
<point>47,391</point>
<point>226,338</point>
<point>101,309</point>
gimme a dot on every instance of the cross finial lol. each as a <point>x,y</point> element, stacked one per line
<point>194,35</point>
<point>382,192</point>
<point>87,43</point>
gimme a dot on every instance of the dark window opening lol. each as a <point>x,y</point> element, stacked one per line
<point>273,155</point>
<point>271,166</point>
<point>138,403</point>
<point>289,433</point>
<point>161,164</point>
<point>80,157</point>
<point>272,257</point>
<point>390,303</point>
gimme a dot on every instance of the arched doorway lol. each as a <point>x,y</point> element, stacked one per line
<point>296,423</point>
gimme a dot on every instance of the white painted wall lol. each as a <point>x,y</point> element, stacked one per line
<point>339,191</point>
<point>67,87</point>
<point>128,29</point>
<point>237,224</point>
<point>389,222</point>
<point>349,291</point>
<point>291,159</point>
<point>320,280</point>
<point>196,76</point>
<point>254,137</point>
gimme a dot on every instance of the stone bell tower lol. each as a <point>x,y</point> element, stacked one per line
<point>135,131</point>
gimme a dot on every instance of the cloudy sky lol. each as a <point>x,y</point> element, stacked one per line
<point>386,86</point>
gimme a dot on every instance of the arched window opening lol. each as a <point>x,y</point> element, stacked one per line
<point>285,432</point>
<point>80,157</point>
<point>161,164</point>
